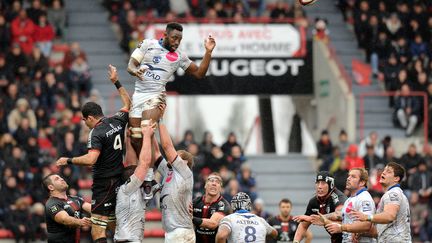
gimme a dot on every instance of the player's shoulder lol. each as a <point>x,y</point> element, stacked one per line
<point>197,201</point>
<point>146,43</point>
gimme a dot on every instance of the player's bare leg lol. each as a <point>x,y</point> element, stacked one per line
<point>99,226</point>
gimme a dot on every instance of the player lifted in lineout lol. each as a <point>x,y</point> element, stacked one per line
<point>153,63</point>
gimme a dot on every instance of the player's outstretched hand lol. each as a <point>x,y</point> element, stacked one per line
<point>62,161</point>
<point>112,73</point>
<point>86,222</point>
<point>319,220</point>
<point>301,218</point>
<point>358,216</point>
<point>140,71</point>
<point>209,43</point>
<point>148,129</point>
<point>334,228</point>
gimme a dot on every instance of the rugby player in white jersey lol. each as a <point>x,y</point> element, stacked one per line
<point>176,194</point>
<point>153,63</point>
<point>393,213</point>
<point>360,200</point>
<point>131,205</point>
<point>242,225</point>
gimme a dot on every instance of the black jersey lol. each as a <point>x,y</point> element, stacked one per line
<point>108,137</point>
<point>60,233</point>
<point>329,205</point>
<point>286,229</point>
<point>203,210</point>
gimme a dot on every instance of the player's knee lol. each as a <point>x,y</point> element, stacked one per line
<point>98,224</point>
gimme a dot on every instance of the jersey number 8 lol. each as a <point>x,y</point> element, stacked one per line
<point>250,234</point>
<point>117,142</point>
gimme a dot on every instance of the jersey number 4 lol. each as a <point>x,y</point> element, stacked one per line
<point>117,142</point>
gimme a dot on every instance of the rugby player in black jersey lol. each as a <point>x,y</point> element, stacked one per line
<point>328,199</point>
<point>209,209</point>
<point>285,224</point>
<point>105,154</point>
<point>63,213</point>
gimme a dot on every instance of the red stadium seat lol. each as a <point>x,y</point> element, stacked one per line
<point>85,183</point>
<point>153,215</point>
<point>5,234</point>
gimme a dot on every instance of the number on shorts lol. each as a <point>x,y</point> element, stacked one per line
<point>117,142</point>
<point>250,234</point>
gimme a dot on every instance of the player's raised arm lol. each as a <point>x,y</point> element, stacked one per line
<point>145,155</point>
<point>201,70</point>
<point>167,144</point>
<point>113,76</point>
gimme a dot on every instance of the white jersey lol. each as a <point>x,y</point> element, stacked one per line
<point>362,202</point>
<point>246,227</point>
<point>399,230</point>
<point>160,63</point>
<point>176,195</point>
<point>130,211</point>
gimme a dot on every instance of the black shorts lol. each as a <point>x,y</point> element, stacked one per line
<point>104,195</point>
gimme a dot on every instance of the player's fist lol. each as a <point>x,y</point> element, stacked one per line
<point>62,161</point>
<point>209,43</point>
<point>112,73</point>
<point>148,127</point>
<point>85,222</point>
<point>140,71</point>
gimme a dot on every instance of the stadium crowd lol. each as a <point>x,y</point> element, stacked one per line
<point>134,20</point>
<point>373,153</point>
<point>397,39</point>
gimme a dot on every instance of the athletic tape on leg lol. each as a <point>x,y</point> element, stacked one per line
<point>135,132</point>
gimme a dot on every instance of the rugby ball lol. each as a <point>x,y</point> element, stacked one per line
<point>306,2</point>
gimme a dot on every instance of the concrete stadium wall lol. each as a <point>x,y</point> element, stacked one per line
<point>335,104</point>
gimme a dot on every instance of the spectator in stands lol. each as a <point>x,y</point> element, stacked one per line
<point>24,132</point>
<point>217,159</point>
<point>188,138</point>
<point>50,91</point>
<point>418,47</point>
<point>260,7</point>
<point>9,188</point>
<point>411,160</point>
<point>235,159</point>
<point>418,215</point>
<point>35,11</point>
<point>57,16</point>
<point>360,22</point>
<point>232,189</point>
<point>207,144</point>
<point>7,142</point>
<point>6,74</point>
<point>80,76</point>
<point>380,51</point>
<point>281,10</point>
<point>69,147</point>
<point>221,13</point>
<point>259,209</point>
<point>127,28</point>
<point>18,221</point>
<point>37,62</point>
<point>343,143</point>
<point>21,111</point>
<point>13,11</point>
<point>352,159</point>
<point>421,181</point>
<point>32,149</point>
<point>3,118</point>
<point>389,156</point>
<point>44,35</point>
<point>38,221</point>
<point>5,36</point>
<point>17,160</point>
<point>231,142</point>
<point>373,140</point>
<point>198,8</point>
<point>23,30</point>
<point>407,110</point>
<point>394,26</point>
<point>371,159</point>
<point>324,146</point>
<point>18,61</point>
<point>335,163</point>
<point>400,47</point>
<point>74,52</point>
<point>340,175</point>
<point>247,181</point>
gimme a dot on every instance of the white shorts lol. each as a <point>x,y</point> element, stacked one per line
<point>143,101</point>
<point>180,235</point>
